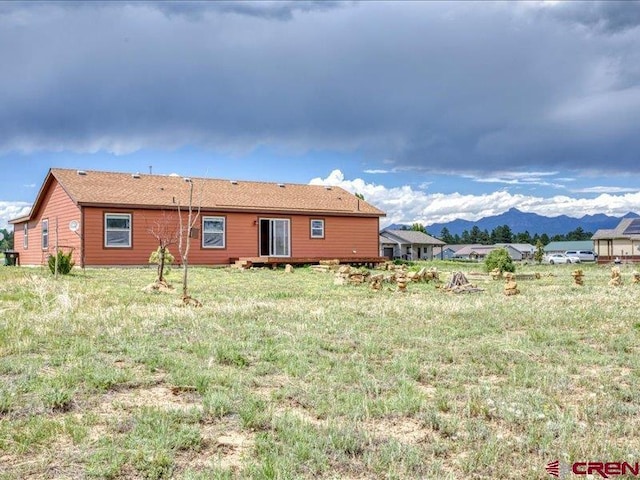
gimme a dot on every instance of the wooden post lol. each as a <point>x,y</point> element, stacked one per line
<point>56,253</point>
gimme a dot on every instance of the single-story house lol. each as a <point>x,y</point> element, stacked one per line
<point>622,242</point>
<point>407,244</point>
<point>480,252</point>
<point>446,252</point>
<point>523,251</point>
<point>561,247</point>
<point>473,252</point>
<point>108,218</point>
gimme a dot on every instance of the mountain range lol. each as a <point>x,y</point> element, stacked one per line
<point>533,223</point>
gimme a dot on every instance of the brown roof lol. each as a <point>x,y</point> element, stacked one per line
<point>168,191</point>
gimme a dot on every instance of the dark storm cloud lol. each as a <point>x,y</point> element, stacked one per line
<point>608,16</point>
<point>436,86</point>
<point>280,10</point>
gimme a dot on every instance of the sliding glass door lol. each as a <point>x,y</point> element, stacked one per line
<point>275,237</point>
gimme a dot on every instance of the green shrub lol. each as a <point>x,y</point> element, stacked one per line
<point>65,264</point>
<point>164,267</point>
<point>500,259</point>
<point>539,255</point>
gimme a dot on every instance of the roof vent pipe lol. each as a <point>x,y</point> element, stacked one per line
<point>81,172</point>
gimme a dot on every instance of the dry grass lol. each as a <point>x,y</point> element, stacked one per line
<point>289,376</point>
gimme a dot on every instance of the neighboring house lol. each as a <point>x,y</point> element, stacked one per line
<point>622,242</point>
<point>480,252</point>
<point>105,219</point>
<point>523,251</point>
<point>561,247</point>
<point>473,252</point>
<point>407,244</point>
<point>446,252</point>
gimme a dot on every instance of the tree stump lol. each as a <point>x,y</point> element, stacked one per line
<point>635,277</point>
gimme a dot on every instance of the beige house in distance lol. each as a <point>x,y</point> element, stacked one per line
<point>622,242</point>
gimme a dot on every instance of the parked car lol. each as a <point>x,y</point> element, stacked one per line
<point>583,255</point>
<point>557,258</point>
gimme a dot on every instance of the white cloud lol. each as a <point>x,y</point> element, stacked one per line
<point>407,205</point>
<point>518,178</point>
<point>604,189</point>
<point>376,171</point>
<point>11,210</point>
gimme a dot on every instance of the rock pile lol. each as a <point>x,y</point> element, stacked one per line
<point>393,267</point>
<point>376,281</point>
<point>424,275</point>
<point>510,286</point>
<point>578,277</point>
<point>326,266</point>
<point>616,277</point>
<point>347,275</point>
<point>401,281</point>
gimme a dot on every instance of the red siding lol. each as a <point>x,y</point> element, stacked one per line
<point>344,237</point>
<point>56,205</point>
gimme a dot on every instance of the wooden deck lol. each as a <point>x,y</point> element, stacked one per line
<point>275,261</point>
<point>605,259</point>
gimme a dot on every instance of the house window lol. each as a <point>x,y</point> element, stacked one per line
<point>45,234</point>
<point>317,228</point>
<point>25,240</point>
<point>117,230</point>
<point>213,232</point>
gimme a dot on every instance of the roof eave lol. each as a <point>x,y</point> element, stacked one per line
<point>22,219</point>
<point>217,208</point>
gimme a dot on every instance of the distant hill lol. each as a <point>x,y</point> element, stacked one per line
<point>520,222</point>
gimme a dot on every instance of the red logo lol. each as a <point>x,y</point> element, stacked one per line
<point>594,469</point>
<point>553,468</point>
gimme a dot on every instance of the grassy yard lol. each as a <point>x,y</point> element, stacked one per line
<point>288,376</point>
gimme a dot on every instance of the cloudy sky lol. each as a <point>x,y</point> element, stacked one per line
<point>432,110</point>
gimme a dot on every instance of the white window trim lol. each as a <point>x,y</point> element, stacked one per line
<point>106,216</point>
<point>224,232</point>
<point>44,222</point>
<point>312,229</point>
<point>25,233</point>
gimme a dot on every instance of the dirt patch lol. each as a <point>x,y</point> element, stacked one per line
<point>158,396</point>
<point>428,391</point>
<point>404,430</point>
<point>54,462</point>
<point>224,446</point>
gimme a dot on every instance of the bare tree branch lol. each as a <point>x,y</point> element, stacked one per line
<point>166,232</point>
